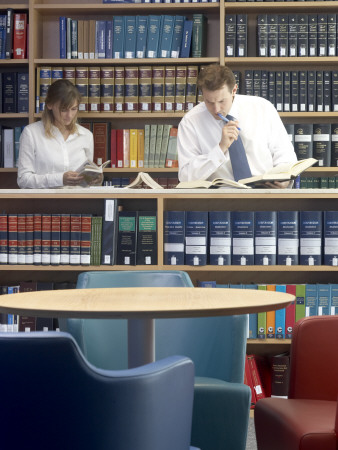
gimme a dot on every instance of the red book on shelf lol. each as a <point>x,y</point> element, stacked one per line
<point>86,232</point>
<point>290,312</point>
<point>20,36</point>
<point>119,148</point>
<point>256,379</point>
<point>100,132</point>
<point>248,382</point>
<point>113,154</point>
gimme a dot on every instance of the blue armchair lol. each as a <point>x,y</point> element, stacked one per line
<point>217,345</point>
<point>52,398</point>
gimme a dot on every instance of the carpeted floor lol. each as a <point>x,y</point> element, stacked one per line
<point>251,442</point>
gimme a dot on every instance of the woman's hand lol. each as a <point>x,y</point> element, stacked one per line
<point>97,181</point>
<point>72,179</point>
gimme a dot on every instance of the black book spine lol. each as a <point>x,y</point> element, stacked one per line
<point>334,91</point>
<point>272,35</point>
<point>294,91</point>
<point>311,91</point>
<point>302,35</point>
<point>327,90</point>
<point>303,140</point>
<point>286,90</point>
<point>334,144</point>
<point>264,84</point>
<point>303,90</point>
<point>322,34</point>
<point>321,143</point>
<point>262,30</point>
<point>257,83</point>
<point>230,35</point>
<point>293,26</point>
<point>10,92</point>
<point>313,48</point>
<point>248,82</point>
<point>331,34</point>
<point>319,91</point>
<point>290,129</point>
<point>279,90</point>
<point>283,35</point>
<point>272,87</point>
<point>9,33</point>
<point>242,35</point>
<point>23,92</point>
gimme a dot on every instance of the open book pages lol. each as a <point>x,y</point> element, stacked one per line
<point>282,172</point>
<point>145,178</point>
<point>89,170</point>
<point>214,184</point>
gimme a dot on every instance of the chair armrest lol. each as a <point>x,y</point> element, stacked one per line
<point>220,414</point>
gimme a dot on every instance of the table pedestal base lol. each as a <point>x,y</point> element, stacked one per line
<point>141,342</point>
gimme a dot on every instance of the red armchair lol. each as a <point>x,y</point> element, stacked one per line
<point>308,419</point>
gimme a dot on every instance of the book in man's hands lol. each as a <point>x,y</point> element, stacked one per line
<point>90,171</point>
<point>282,172</point>
<point>144,178</point>
<point>214,184</point>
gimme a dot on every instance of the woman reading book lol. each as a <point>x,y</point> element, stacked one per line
<point>209,135</point>
<point>52,149</point>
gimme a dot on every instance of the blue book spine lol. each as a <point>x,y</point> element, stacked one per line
<point>206,284</point>
<point>23,92</point>
<point>265,238</point>
<point>100,44</point>
<point>153,38</point>
<point>310,230</point>
<point>166,36</point>
<point>57,73</point>
<point>324,299</point>
<point>330,238</point>
<point>253,318</point>
<point>280,315</point>
<point>63,37</point>
<point>196,233</point>
<point>109,39</point>
<point>334,299</point>
<point>9,92</point>
<point>174,236</point>
<point>242,226</point>
<point>288,238</point>
<point>177,37</point>
<point>311,300</point>
<point>118,37</point>
<point>141,36</point>
<point>186,39</point>
<point>130,37</point>
<point>220,238</point>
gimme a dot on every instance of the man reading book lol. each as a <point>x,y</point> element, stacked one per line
<point>206,133</point>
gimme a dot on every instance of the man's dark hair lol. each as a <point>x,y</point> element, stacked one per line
<point>214,77</point>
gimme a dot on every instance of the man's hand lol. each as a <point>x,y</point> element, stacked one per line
<point>278,184</point>
<point>72,178</point>
<point>229,135</point>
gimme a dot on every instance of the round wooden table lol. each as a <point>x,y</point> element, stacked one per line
<point>141,306</point>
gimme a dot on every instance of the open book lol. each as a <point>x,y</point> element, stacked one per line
<point>89,170</point>
<point>145,178</point>
<point>214,184</point>
<point>282,172</point>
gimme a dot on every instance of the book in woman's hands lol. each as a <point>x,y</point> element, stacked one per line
<point>90,171</point>
<point>145,178</point>
<point>282,172</point>
<point>214,184</point>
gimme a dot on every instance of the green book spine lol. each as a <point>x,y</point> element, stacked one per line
<point>261,318</point>
<point>300,301</point>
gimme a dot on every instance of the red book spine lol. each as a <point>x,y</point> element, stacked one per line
<point>55,239</point>
<point>20,36</point>
<point>119,148</point>
<point>113,154</point>
<point>100,132</point>
<point>37,255</point>
<point>65,238</point>
<point>46,229</point>
<point>248,382</point>
<point>290,312</point>
<point>75,238</point>
<point>29,238</point>
<point>256,379</point>
<point>3,239</point>
<point>21,239</point>
<point>86,231</point>
<point>12,239</point>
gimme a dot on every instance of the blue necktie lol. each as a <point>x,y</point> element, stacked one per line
<point>239,161</point>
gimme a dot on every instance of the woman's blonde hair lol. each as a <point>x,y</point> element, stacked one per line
<point>64,93</point>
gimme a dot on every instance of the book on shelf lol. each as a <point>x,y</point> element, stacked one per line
<point>127,238</point>
<point>280,366</point>
<point>146,248</point>
<point>173,237</point>
<point>282,172</point>
<point>242,226</point>
<point>109,232</point>
<point>196,236</point>
<point>199,35</point>
<point>144,178</point>
<point>216,183</point>
<point>20,36</point>
<point>90,171</point>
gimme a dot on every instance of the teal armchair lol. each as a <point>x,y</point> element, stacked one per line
<point>217,345</point>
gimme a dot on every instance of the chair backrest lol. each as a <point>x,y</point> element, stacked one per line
<point>53,398</point>
<point>314,359</point>
<point>217,345</point>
